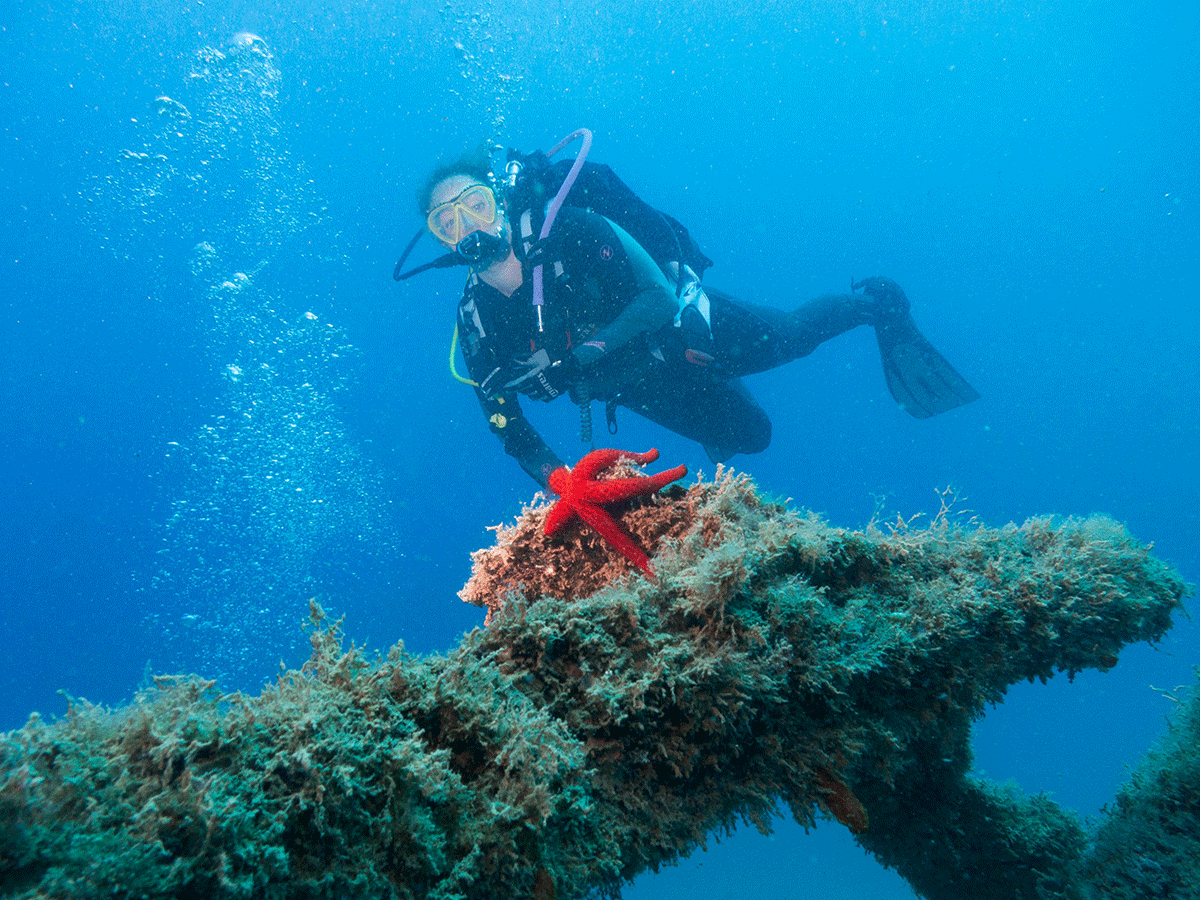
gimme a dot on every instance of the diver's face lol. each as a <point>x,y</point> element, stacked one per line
<point>460,205</point>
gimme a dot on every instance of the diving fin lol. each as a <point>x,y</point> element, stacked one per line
<point>920,378</point>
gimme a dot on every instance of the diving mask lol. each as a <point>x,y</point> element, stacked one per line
<point>473,208</point>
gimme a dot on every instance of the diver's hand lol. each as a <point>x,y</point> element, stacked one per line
<point>538,378</point>
<point>888,296</point>
<point>492,385</point>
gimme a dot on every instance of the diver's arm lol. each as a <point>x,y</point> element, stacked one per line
<point>519,439</point>
<point>651,306</point>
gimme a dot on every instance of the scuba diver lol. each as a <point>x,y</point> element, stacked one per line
<point>579,287</point>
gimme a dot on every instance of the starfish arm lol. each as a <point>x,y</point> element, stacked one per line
<point>560,513</point>
<point>642,458</point>
<point>662,479</point>
<point>608,528</point>
<point>595,462</point>
<point>614,489</point>
<point>560,481</point>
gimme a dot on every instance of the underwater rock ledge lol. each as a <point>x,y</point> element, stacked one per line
<point>604,724</point>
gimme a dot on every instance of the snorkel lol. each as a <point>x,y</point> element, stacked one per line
<point>555,206</point>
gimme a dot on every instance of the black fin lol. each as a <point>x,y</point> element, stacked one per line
<point>919,377</point>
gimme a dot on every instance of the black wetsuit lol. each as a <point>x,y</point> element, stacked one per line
<point>613,310</point>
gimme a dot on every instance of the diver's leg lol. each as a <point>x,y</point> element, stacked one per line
<point>721,416</point>
<point>749,338</point>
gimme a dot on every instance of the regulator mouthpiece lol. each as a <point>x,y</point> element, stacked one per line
<point>480,248</point>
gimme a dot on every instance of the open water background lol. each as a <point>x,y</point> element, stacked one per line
<point>217,403</point>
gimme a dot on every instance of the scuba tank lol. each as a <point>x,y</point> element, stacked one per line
<point>532,180</point>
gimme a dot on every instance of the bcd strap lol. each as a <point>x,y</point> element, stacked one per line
<point>528,240</point>
<point>526,231</point>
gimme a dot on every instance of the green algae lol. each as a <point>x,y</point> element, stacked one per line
<point>1148,844</point>
<point>581,740</point>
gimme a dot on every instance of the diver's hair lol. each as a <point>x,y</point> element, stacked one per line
<point>476,163</point>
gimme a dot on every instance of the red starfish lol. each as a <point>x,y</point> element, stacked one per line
<point>583,495</point>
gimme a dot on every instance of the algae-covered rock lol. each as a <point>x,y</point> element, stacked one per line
<point>1148,844</point>
<point>604,724</point>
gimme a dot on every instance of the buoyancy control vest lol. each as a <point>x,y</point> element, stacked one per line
<point>531,180</point>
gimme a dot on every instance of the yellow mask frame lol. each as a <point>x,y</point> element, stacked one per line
<point>473,208</point>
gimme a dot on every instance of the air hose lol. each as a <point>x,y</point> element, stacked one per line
<point>585,403</point>
<point>556,205</point>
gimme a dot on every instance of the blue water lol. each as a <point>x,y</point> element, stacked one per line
<point>218,404</point>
